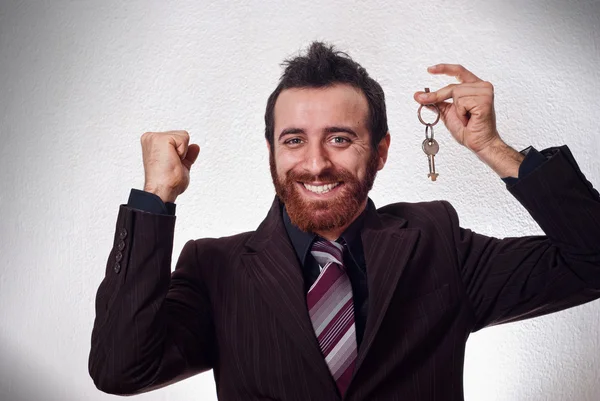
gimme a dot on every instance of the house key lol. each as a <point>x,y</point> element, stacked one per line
<point>430,145</point>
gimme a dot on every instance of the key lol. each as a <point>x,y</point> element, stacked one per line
<point>431,147</point>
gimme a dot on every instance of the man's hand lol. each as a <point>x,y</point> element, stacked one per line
<point>168,158</point>
<point>470,118</point>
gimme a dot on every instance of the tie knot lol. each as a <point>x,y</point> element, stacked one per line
<point>327,252</point>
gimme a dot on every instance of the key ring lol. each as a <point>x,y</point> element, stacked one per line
<point>437,109</point>
<point>430,145</point>
<point>428,128</point>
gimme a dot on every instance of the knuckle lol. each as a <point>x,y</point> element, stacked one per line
<point>488,85</point>
<point>146,136</point>
<point>455,89</point>
<point>182,135</point>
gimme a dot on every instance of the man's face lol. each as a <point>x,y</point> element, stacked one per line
<point>322,163</point>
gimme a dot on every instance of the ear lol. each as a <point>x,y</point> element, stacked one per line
<point>268,145</point>
<point>382,150</point>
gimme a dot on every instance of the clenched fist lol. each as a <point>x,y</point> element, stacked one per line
<point>168,157</point>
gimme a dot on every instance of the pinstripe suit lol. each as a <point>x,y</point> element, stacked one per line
<point>237,304</point>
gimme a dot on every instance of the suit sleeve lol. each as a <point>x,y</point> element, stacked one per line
<point>516,278</point>
<point>149,202</point>
<point>533,159</point>
<point>151,328</point>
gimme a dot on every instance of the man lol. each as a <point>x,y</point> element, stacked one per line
<point>331,298</point>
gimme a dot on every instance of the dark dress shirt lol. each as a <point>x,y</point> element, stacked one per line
<point>354,262</point>
<point>354,259</point>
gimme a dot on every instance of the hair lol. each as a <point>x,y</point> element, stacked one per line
<point>324,66</point>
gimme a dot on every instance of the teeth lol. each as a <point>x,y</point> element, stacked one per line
<point>321,189</point>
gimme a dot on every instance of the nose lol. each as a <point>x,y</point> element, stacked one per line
<point>316,159</point>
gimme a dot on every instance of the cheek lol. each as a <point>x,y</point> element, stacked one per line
<point>352,162</point>
<point>284,162</point>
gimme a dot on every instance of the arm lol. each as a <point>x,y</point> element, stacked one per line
<point>516,278</point>
<point>151,329</point>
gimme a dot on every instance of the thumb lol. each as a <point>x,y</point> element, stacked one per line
<point>191,156</point>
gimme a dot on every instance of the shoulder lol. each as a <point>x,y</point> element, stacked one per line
<point>233,244</point>
<point>214,258</point>
<point>439,213</point>
<point>417,210</point>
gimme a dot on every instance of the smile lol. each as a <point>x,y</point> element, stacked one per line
<point>321,189</point>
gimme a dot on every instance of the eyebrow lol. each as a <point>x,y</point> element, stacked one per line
<point>327,130</point>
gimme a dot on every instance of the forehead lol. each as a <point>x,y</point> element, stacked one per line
<point>314,107</point>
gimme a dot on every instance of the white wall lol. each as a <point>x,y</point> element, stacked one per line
<point>81,81</point>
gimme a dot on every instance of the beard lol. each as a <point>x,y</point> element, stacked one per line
<point>323,215</point>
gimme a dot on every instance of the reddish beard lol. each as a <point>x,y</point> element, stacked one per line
<point>322,215</point>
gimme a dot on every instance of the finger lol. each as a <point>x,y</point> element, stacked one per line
<point>453,124</point>
<point>181,139</point>
<point>449,117</point>
<point>192,153</point>
<point>455,90</point>
<point>462,111</point>
<point>435,97</point>
<point>191,156</point>
<point>454,70</point>
<point>473,106</point>
<point>446,107</point>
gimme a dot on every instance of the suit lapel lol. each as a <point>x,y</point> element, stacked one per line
<point>387,247</point>
<point>274,269</point>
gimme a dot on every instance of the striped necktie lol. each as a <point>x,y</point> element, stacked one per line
<point>331,310</point>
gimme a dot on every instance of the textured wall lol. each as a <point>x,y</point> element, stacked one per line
<point>81,81</point>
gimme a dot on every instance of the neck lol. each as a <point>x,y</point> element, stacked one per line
<point>335,233</point>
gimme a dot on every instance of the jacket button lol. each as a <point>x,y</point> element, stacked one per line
<point>121,245</point>
<point>117,267</point>
<point>119,256</point>
<point>123,233</point>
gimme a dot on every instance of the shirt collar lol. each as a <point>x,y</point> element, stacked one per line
<point>302,240</point>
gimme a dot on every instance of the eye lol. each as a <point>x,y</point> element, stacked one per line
<point>340,140</point>
<point>293,141</point>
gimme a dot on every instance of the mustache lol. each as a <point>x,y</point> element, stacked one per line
<point>325,176</point>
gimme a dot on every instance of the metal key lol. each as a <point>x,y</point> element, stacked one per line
<point>431,147</point>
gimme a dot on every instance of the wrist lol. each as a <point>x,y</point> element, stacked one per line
<point>164,194</point>
<point>494,147</point>
<point>501,158</point>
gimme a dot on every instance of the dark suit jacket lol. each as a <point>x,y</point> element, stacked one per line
<point>237,304</point>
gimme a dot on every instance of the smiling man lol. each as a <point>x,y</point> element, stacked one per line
<point>330,297</point>
<point>326,158</point>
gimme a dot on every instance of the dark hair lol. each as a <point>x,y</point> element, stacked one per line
<point>324,66</point>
